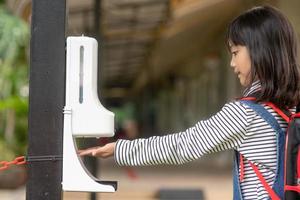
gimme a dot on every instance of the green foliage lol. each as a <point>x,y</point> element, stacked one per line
<point>126,112</point>
<point>7,153</point>
<point>14,40</point>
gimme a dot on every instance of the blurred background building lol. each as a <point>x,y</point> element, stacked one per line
<point>163,66</point>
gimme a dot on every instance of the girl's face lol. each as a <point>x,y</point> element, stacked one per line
<point>241,63</point>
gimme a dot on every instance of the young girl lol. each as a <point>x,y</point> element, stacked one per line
<point>264,57</point>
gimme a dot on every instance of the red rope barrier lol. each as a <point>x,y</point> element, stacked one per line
<point>17,161</point>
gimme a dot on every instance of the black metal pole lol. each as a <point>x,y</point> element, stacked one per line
<point>46,98</point>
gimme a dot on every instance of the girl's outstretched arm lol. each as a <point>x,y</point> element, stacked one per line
<point>225,130</point>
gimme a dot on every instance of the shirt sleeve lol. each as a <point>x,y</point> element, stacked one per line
<point>225,130</point>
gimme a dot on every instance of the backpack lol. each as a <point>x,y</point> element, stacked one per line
<point>288,179</point>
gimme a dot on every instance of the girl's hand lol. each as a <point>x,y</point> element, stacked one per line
<point>106,151</point>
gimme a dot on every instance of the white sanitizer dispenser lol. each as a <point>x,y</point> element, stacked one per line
<point>84,116</point>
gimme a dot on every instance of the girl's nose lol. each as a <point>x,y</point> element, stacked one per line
<point>232,63</point>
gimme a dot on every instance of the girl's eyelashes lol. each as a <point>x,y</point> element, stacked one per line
<point>234,52</point>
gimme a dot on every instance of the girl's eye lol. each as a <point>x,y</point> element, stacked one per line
<point>234,53</point>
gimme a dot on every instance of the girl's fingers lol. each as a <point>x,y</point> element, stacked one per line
<point>102,152</point>
<point>86,152</point>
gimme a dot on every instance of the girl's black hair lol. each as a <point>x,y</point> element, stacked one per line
<point>272,45</point>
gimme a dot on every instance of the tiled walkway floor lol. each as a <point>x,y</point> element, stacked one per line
<point>214,182</point>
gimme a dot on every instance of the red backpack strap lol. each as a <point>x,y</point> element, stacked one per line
<point>286,117</point>
<point>248,98</point>
<point>242,168</point>
<point>271,192</point>
<point>284,114</point>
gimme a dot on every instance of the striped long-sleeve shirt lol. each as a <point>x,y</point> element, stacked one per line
<point>235,126</point>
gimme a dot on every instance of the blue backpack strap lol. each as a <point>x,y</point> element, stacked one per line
<point>280,134</point>
<point>264,113</point>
